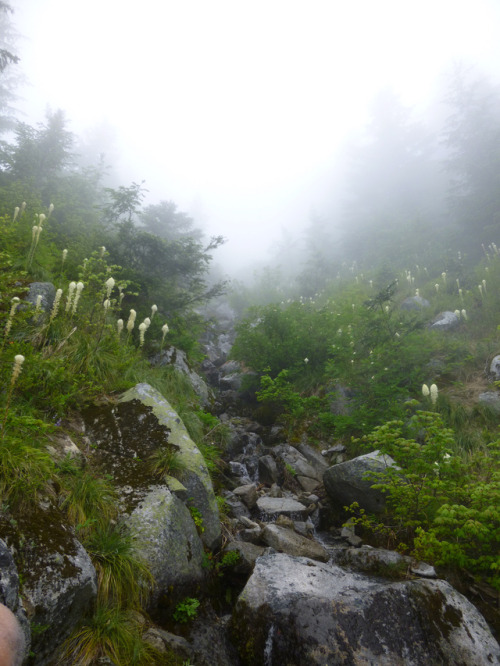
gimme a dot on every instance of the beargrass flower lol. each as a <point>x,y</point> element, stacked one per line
<point>71,293</point>
<point>16,370</point>
<point>154,310</point>
<point>16,213</point>
<point>79,287</point>
<point>64,255</point>
<point>425,390</point>
<point>119,326</point>
<point>102,250</point>
<point>484,285</point>
<point>41,219</point>
<point>464,314</point>
<point>55,307</point>
<point>434,393</point>
<point>38,303</point>
<point>480,287</point>
<point>147,321</point>
<point>457,313</point>
<point>15,302</point>
<point>110,283</point>
<point>443,275</point>
<point>23,207</point>
<point>51,208</point>
<point>306,360</point>
<point>436,287</point>
<point>107,304</point>
<point>142,331</point>
<point>460,293</point>
<point>131,321</point>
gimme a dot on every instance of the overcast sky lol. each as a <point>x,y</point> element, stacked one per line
<point>235,109</point>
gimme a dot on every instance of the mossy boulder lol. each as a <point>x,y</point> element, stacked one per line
<point>167,539</point>
<point>195,476</point>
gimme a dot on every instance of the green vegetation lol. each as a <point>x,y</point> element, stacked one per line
<point>186,610</point>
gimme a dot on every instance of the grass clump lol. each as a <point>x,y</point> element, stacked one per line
<point>124,579</point>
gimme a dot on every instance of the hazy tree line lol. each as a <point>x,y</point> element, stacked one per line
<point>411,189</point>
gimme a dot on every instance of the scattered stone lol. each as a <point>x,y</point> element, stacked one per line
<point>491,400</point>
<point>268,470</point>
<point>445,321</point>
<point>495,368</point>
<point>285,540</point>
<point>247,494</point>
<point>272,506</point>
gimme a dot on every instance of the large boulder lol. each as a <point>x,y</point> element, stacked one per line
<point>297,611</point>
<point>414,303</point>
<point>167,539</point>
<point>46,290</point>
<point>59,582</point>
<point>445,321</point>
<point>347,483</point>
<point>195,475</point>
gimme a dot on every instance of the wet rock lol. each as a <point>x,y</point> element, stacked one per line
<point>299,611</point>
<point>347,483</point>
<point>285,540</point>
<point>381,562</point>
<point>247,494</point>
<point>299,463</point>
<point>414,303</point>
<point>167,539</point>
<point>495,368</point>
<point>348,533</point>
<point>195,477</point>
<point>235,506</point>
<point>268,470</point>
<point>491,400</point>
<point>445,321</point>
<point>248,552</point>
<point>44,289</point>
<point>178,359</point>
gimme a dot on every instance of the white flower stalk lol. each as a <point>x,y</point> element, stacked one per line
<point>122,296</point>
<point>41,219</point>
<point>34,230</point>
<point>16,213</point>
<point>417,292</point>
<point>131,321</point>
<point>55,307</point>
<point>71,294</point>
<point>484,285</point>
<point>457,313</point>
<point>119,327</point>
<point>425,390</point>
<point>15,302</point>
<point>102,250</point>
<point>443,275</point>
<point>147,321</point>
<point>461,295</point>
<point>142,331</point>
<point>38,304</point>
<point>434,393</point>
<point>64,255</point>
<point>464,314</point>
<point>110,283</point>
<point>306,360</point>
<point>107,304</point>
<point>84,263</point>
<point>154,310</point>
<point>51,209</point>
<point>164,330</point>
<point>23,207</point>
<point>79,288</point>
<point>480,287</point>
<point>16,370</point>
<point>458,283</point>
<point>436,287</point>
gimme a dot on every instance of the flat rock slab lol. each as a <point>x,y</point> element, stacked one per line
<point>287,541</point>
<point>274,506</point>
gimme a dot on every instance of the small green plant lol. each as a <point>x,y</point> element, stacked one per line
<point>290,470</point>
<point>197,517</point>
<point>186,610</point>
<point>166,461</point>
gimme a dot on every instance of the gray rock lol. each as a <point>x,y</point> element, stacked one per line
<point>445,321</point>
<point>346,483</point>
<point>299,463</point>
<point>195,477</point>
<point>414,303</point>
<point>272,506</point>
<point>59,581</point>
<point>285,540</point>
<point>381,562</point>
<point>247,494</point>
<point>268,470</point>
<point>235,506</point>
<point>178,359</point>
<point>248,552</point>
<point>495,368</point>
<point>167,539</point>
<point>491,400</point>
<point>231,382</point>
<point>44,289</point>
<point>341,400</point>
<point>307,484</point>
<point>299,611</point>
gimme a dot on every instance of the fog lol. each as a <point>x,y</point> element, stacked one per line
<point>239,112</point>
